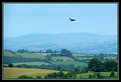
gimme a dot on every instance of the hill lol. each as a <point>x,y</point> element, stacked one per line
<point>16,64</point>
<point>12,73</point>
<point>75,42</point>
<point>52,60</point>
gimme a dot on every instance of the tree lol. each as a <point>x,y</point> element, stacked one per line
<point>18,66</point>
<point>76,70</point>
<point>22,51</point>
<point>71,75</point>
<point>65,76</point>
<point>111,65</point>
<point>60,74</point>
<point>94,75</point>
<point>10,65</point>
<point>51,76</point>
<point>90,76</point>
<point>48,51</point>
<point>94,64</point>
<point>24,77</point>
<point>28,66</point>
<point>98,75</point>
<point>40,51</point>
<point>38,77</point>
<point>112,74</point>
<point>65,52</point>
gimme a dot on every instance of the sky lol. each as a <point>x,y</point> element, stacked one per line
<point>53,18</point>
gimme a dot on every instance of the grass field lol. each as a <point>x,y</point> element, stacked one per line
<point>106,75</point>
<point>77,54</point>
<point>110,58</point>
<point>12,73</point>
<point>31,63</point>
<point>75,63</point>
<point>62,58</point>
<point>7,53</point>
<point>33,55</point>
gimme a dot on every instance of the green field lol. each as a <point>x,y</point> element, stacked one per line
<point>7,53</point>
<point>62,58</point>
<point>110,58</point>
<point>77,54</point>
<point>33,55</point>
<point>106,75</point>
<point>31,63</point>
<point>26,55</point>
<point>75,63</point>
<point>12,73</point>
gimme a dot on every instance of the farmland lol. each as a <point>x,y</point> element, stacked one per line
<point>33,55</point>
<point>41,64</point>
<point>16,72</point>
<point>104,74</point>
<point>38,58</point>
<point>62,58</point>
<point>70,62</point>
<point>31,63</point>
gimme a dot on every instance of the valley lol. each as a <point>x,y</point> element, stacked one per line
<point>33,64</point>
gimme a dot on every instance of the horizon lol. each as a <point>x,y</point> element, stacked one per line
<point>61,33</point>
<point>24,19</point>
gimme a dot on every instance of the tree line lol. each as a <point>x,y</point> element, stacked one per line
<point>30,51</point>
<point>97,65</point>
<point>94,65</point>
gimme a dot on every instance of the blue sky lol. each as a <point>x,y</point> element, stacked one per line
<point>49,18</point>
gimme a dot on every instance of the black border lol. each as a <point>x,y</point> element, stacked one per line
<point>58,1</point>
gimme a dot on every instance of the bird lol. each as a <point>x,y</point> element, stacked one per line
<point>72,19</point>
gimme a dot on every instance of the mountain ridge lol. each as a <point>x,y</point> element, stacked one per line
<point>62,34</point>
<point>79,41</point>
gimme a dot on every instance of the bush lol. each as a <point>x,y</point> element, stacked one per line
<point>71,75</point>
<point>10,65</point>
<point>24,77</point>
<point>38,77</point>
<point>98,75</point>
<point>51,76</point>
<point>112,74</point>
<point>90,76</point>
<point>60,74</point>
<point>5,65</point>
<point>94,75</point>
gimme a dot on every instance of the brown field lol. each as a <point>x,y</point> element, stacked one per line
<point>14,72</point>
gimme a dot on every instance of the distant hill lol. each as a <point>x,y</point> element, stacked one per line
<point>75,42</point>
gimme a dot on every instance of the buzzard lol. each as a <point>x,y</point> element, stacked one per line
<point>72,19</point>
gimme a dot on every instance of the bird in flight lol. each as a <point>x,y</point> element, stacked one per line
<point>72,19</point>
